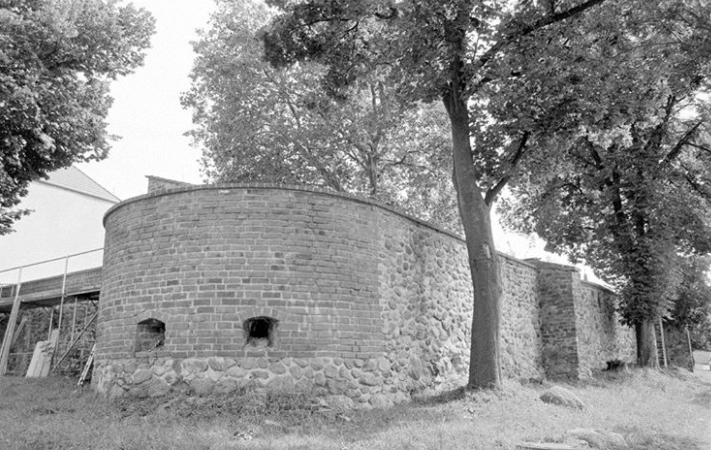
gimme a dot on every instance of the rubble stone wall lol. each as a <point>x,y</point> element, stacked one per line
<point>521,322</point>
<point>601,337</point>
<point>369,305</point>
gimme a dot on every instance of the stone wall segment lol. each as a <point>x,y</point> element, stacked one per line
<point>600,335</point>
<point>558,325</point>
<point>370,305</point>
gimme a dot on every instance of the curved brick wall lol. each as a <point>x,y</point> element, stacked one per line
<point>372,305</point>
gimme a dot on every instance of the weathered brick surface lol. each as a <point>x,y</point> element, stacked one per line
<point>372,305</point>
<point>579,324</point>
<point>558,330</point>
<point>205,260</point>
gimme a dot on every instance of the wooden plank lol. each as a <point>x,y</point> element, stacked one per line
<point>543,446</point>
<point>87,367</point>
<point>41,361</point>
<point>23,322</point>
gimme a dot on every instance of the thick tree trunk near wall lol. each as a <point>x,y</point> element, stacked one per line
<point>646,349</point>
<point>484,366</point>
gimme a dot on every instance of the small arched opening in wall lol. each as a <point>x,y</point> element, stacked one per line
<point>260,331</point>
<point>150,335</point>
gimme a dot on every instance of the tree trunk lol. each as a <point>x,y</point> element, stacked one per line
<point>646,348</point>
<point>484,365</point>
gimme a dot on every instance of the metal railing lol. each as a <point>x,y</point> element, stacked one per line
<point>10,330</point>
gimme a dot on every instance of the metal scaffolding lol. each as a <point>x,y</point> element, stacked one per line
<point>16,304</point>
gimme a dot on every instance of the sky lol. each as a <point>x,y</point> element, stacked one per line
<point>151,122</point>
<point>146,112</point>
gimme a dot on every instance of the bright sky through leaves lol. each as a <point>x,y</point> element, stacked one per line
<point>146,112</point>
<point>147,115</point>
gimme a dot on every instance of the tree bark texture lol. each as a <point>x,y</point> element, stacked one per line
<point>646,343</point>
<point>484,366</point>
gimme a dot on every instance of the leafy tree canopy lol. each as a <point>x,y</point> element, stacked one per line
<point>529,88</point>
<point>435,50</point>
<point>693,304</point>
<point>56,61</point>
<point>621,166</point>
<point>257,123</point>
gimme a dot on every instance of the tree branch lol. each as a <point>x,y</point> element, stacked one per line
<point>327,175</point>
<point>526,29</point>
<point>700,147</point>
<point>680,145</point>
<point>696,186</point>
<point>492,193</point>
<point>286,97</point>
<point>658,133</point>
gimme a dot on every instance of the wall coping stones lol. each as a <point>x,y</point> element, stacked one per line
<point>600,286</point>
<point>539,264</point>
<point>284,187</point>
<point>310,189</point>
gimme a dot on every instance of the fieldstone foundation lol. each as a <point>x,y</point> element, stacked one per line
<point>363,383</point>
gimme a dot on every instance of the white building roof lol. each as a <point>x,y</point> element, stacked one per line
<point>75,180</point>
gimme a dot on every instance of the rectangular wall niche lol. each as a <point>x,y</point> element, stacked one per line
<point>150,335</point>
<point>260,331</point>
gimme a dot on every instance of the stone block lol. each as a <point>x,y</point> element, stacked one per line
<point>236,372</point>
<point>216,363</point>
<point>558,395</point>
<point>193,366</point>
<point>141,376</point>
<point>296,372</point>
<point>259,374</point>
<point>330,371</point>
<point>202,386</point>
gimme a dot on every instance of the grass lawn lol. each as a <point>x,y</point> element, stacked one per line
<point>653,410</point>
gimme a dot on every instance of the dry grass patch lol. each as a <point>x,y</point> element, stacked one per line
<point>653,410</point>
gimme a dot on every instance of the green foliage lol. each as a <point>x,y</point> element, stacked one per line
<point>692,305</point>
<point>56,61</point>
<point>621,164</point>
<point>700,334</point>
<point>451,51</point>
<point>259,124</point>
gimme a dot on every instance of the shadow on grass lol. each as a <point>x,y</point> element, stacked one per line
<point>440,397</point>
